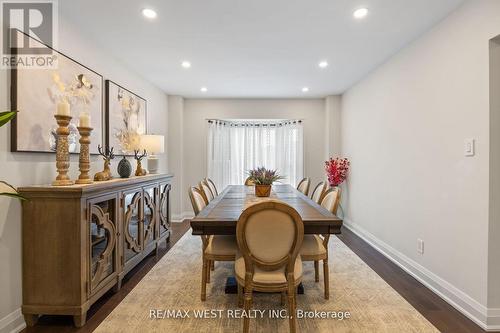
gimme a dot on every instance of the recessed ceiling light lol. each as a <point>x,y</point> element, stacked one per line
<point>186,64</point>
<point>204,89</point>
<point>149,13</point>
<point>305,89</point>
<point>323,64</point>
<point>360,13</point>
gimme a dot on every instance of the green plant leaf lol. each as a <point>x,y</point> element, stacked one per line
<point>5,117</point>
<point>9,191</point>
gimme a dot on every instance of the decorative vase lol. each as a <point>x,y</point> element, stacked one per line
<point>262,190</point>
<point>124,168</point>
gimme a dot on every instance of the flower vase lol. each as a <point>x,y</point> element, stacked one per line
<point>262,190</point>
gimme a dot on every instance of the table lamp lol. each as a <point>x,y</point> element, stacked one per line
<point>154,144</point>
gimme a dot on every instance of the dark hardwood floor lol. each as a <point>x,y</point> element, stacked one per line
<point>442,315</point>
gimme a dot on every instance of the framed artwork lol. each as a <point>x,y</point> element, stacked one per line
<point>35,94</point>
<point>126,118</point>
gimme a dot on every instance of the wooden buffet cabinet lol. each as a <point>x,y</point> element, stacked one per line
<point>79,241</point>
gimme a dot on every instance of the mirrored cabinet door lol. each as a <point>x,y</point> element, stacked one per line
<point>103,241</point>
<point>164,209</point>
<point>150,215</point>
<point>132,224</point>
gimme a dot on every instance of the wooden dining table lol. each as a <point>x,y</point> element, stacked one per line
<point>220,216</point>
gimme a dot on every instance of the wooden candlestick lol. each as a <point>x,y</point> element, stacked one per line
<point>62,154</point>
<point>84,161</point>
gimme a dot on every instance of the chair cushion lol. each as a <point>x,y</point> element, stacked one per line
<point>312,245</point>
<point>264,277</point>
<point>222,245</point>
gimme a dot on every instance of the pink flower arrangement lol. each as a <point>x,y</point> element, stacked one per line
<point>337,170</point>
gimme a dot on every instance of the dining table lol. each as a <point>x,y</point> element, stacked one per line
<point>221,215</point>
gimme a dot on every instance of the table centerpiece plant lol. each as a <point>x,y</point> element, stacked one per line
<point>263,179</point>
<point>5,188</point>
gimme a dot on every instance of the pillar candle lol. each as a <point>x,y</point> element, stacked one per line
<point>84,119</point>
<point>63,109</point>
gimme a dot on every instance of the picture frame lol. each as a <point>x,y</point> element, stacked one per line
<point>33,129</point>
<point>126,118</point>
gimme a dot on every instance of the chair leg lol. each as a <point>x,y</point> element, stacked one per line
<point>212,265</point>
<point>283,298</point>
<point>248,304</point>
<point>326,277</point>
<point>291,310</point>
<point>316,270</point>
<point>204,281</point>
<point>240,296</point>
<point>208,271</point>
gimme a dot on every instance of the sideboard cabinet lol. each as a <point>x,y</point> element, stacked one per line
<point>80,241</point>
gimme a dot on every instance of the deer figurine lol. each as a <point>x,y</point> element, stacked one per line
<point>139,171</point>
<point>107,155</point>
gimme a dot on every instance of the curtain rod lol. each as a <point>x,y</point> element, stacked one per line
<point>263,122</point>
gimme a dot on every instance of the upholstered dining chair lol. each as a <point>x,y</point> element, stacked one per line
<point>304,186</point>
<point>269,236</point>
<point>215,248</point>
<point>249,182</point>
<point>212,186</point>
<point>315,247</point>
<point>207,192</point>
<point>319,192</point>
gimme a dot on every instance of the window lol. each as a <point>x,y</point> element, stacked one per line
<point>236,146</point>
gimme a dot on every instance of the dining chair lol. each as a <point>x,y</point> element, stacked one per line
<point>319,192</point>
<point>207,192</point>
<point>315,247</point>
<point>249,182</point>
<point>214,248</point>
<point>304,186</point>
<point>269,236</point>
<point>212,186</point>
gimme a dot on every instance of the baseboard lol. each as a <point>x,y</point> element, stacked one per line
<point>181,217</point>
<point>487,319</point>
<point>13,322</point>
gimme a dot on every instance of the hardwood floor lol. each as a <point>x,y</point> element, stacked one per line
<point>438,312</point>
<point>442,315</point>
<point>100,310</point>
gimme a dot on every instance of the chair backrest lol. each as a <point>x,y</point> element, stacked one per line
<point>207,192</point>
<point>249,182</point>
<point>269,236</point>
<point>318,192</point>
<point>331,200</point>
<point>197,199</point>
<point>212,186</point>
<point>304,186</point>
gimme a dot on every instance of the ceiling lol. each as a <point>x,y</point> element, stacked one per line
<point>254,48</point>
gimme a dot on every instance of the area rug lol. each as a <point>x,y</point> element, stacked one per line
<point>168,299</point>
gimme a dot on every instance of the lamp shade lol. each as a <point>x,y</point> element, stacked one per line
<point>154,144</point>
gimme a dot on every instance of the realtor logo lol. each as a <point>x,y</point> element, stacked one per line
<point>27,29</point>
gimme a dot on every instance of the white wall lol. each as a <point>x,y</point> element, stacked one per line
<point>196,111</point>
<point>24,169</point>
<point>403,127</point>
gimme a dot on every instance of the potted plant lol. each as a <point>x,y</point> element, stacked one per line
<point>263,179</point>
<point>6,189</point>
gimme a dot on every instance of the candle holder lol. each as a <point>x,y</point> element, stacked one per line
<point>62,154</point>
<point>84,160</point>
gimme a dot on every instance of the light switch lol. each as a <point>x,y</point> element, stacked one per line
<point>469,147</point>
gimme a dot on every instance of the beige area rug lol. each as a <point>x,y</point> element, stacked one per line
<point>174,284</point>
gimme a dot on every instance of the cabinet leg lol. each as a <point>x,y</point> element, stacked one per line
<point>117,286</point>
<point>30,319</point>
<point>80,320</point>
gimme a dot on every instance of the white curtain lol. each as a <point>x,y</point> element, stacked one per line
<point>234,147</point>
